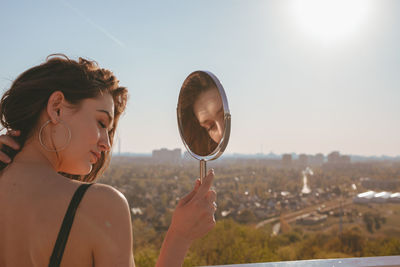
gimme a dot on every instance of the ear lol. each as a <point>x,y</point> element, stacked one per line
<point>55,106</point>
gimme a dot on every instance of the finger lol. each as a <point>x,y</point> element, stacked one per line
<point>211,196</point>
<point>4,158</point>
<point>205,186</point>
<point>212,208</point>
<point>14,132</point>
<point>189,196</point>
<point>9,141</point>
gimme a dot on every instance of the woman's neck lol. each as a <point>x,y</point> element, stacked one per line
<point>33,156</point>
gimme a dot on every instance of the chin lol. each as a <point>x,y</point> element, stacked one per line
<point>87,170</point>
<point>81,170</point>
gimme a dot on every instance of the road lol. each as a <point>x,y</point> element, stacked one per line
<point>291,216</point>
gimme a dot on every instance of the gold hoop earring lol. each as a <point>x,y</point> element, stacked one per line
<point>54,150</point>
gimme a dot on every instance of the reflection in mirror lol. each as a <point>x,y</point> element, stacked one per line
<point>209,112</point>
<point>202,113</point>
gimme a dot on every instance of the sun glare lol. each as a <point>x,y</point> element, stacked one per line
<point>330,20</point>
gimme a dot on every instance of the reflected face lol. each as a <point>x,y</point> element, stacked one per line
<point>209,111</point>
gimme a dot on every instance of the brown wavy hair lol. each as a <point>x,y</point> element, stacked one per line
<point>21,105</point>
<point>196,137</point>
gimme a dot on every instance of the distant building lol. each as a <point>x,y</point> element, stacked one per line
<point>167,156</point>
<point>382,197</point>
<point>335,158</point>
<point>374,197</point>
<point>365,197</point>
<point>316,160</point>
<point>286,160</point>
<point>303,160</point>
<point>395,197</point>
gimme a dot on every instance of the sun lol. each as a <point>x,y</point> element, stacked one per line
<point>330,20</point>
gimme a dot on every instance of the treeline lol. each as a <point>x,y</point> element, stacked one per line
<point>255,176</point>
<point>233,243</point>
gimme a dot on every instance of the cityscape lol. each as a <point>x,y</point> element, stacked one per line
<point>280,196</point>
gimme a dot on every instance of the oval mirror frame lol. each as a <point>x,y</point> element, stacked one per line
<point>217,152</point>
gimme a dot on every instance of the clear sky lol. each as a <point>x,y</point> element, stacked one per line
<point>300,76</point>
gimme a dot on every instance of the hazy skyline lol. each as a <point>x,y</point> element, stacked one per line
<point>309,78</point>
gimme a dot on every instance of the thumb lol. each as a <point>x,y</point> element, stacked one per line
<point>206,184</point>
<point>189,196</point>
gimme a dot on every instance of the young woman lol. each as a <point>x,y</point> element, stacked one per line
<point>63,115</point>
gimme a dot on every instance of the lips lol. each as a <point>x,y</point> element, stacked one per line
<point>97,155</point>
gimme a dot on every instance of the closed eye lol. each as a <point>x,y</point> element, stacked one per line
<point>104,126</point>
<point>211,127</point>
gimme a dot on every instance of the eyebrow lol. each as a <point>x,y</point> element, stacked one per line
<point>208,121</point>
<point>110,118</point>
<point>204,123</point>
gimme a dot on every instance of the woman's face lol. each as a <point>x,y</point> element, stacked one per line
<point>89,127</point>
<point>209,111</point>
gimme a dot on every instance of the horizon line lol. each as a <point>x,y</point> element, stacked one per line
<point>270,154</point>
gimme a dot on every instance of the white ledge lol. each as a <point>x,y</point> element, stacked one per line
<point>388,261</point>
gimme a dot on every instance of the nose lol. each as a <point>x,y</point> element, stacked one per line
<point>104,142</point>
<point>220,130</point>
<point>221,126</point>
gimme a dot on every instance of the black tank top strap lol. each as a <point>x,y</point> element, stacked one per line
<point>62,238</point>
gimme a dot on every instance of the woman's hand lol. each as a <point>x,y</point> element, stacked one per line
<point>194,214</point>
<point>192,218</point>
<point>6,139</point>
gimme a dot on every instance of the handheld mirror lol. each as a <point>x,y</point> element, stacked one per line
<point>204,119</point>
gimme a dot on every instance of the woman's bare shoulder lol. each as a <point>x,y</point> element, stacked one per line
<point>111,229</point>
<point>104,190</point>
<point>103,197</point>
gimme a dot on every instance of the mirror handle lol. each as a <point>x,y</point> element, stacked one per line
<point>203,170</point>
